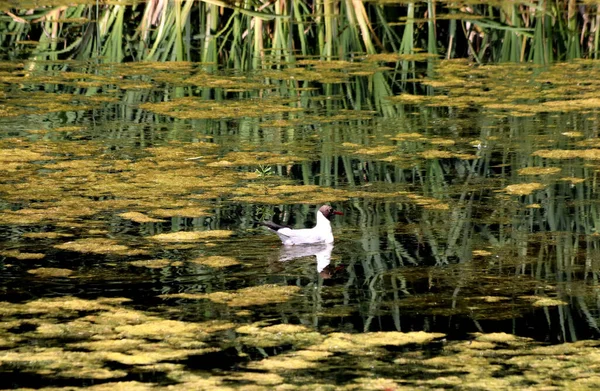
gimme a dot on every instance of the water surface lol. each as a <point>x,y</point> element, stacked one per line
<point>131,257</point>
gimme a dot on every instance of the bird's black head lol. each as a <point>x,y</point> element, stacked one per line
<point>329,212</point>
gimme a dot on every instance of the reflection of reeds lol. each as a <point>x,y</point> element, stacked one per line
<point>258,34</point>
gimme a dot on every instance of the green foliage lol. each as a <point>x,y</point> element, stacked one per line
<point>255,35</point>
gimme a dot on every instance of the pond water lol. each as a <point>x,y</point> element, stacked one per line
<point>467,255</point>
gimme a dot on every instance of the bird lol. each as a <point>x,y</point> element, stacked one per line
<point>320,233</point>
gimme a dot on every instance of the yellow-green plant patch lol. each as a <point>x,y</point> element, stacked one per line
<point>435,154</point>
<point>46,235</point>
<point>544,301</point>
<point>160,328</point>
<point>78,167</point>
<point>183,212</point>
<point>8,155</point>
<point>110,345</point>
<point>283,363</point>
<point>497,337</point>
<point>559,154</point>
<point>294,189</point>
<point>573,180</point>
<point>436,206</point>
<point>95,245</point>
<point>152,263</point>
<point>523,188</point>
<point>139,217</point>
<point>183,295</point>
<point>441,141</point>
<point>56,212</point>
<point>357,343</point>
<point>20,255</point>
<point>193,108</point>
<point>61,305</point>
<point>481,253</point>
<point>533,206</point>
<point>50,272</point>
<point>263,379</point>
<point>573,134</point>
<point>539,170</point>
<point>377,150</point>
<point>255,295</point>
<point>277,335</point>
<point>215,261</point>
<point>192,236</point>
<point>55,361</point>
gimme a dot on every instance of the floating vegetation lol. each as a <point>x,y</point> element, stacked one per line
<point>20,155</point>
<point>358,343</point>
<point>50,272</point>
<point>183,212</point>
<point>191,108</point>
<point>153,263</point>
<point>139,217</point>
<point>539,170</point>
<point>573,134</point>
<point>278,335</point>
<point>559,154</point>
<point>544,301</point>
<point>215,261</point>
<point>95,245</point>
<point>379,150</point>
<point>523,188</point>
<point>574,181</point>
<point>481,253</point>
<point>191,236</point>
<point>254,295</point>
<point>20,255</point>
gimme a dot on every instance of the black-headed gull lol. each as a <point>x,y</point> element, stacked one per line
<point>320,233</point>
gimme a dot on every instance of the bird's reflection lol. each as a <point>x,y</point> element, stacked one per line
<point>322,251</point>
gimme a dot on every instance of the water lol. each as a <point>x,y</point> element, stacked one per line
<point>131,256</point>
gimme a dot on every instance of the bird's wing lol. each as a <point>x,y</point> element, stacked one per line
<point>273,226</point>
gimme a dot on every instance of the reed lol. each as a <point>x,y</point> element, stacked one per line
<point>240,36</point>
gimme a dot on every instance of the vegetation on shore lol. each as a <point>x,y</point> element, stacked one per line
<point>265,34</point>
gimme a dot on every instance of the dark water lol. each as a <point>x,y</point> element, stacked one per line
<point>454,223</point>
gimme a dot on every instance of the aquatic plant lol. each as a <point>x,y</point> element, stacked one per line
<point>264,35</point>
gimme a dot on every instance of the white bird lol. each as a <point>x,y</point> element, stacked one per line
<point>320,233</point>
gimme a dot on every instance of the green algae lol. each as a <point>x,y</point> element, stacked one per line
<point>145,342</point>
<point>190,108</point>
<point>250,296</point>
<point>539,170</point>
<point>357,343</point>
<point>97,246</point>
<point>110,335</point>
<point>50,272</point>
<point>191,236</point>
<point>21,255</point>
<point>215,261</point>
<point>183,212</point>
<point>154,263</point>
<point>139,217</point>
<point>278,335</point>
<point>523,188</point>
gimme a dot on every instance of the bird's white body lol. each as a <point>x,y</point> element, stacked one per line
<point>320,233</point>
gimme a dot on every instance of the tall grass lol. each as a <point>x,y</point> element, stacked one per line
<point>246,35</point>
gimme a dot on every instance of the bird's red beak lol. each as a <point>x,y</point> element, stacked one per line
<point>335,212</point>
